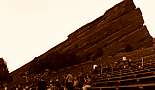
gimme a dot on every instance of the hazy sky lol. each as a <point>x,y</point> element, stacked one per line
<point>29,28</point>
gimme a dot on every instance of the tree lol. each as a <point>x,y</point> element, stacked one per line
<point>4,73</point>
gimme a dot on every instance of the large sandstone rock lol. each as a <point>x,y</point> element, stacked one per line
<point>111,14</point>
<point>120,29</point>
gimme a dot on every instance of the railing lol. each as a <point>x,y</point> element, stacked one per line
<point>126,86</point>
<point>128,79</point>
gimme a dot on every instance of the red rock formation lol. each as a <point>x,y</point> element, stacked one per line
<point>120,29</point>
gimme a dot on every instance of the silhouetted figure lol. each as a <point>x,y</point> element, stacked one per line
<point>69,82</point>
<point>75,82</point>
<point>98,69</point>
<point>42,85</point>
<point>81,80</point>
<point>57,84</point>
<point>87,83</point>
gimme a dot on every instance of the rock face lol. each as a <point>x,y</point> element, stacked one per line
<point>120,29</point>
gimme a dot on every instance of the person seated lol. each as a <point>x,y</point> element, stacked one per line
<point>41,84</point>
<point>69,82</point>
<point>75,82</point>
<point>87,83</point>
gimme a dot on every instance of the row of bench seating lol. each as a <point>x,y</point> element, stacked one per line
<point>135,79</point>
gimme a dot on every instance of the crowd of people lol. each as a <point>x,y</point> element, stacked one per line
<point>68,81</point>
<point>71,81</point>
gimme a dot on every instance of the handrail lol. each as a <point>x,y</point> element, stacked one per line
<point>137,85</point>
<point>127,79</point>
<point>133,73</point>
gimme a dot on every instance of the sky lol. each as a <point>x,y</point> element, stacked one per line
<point>29,28</point>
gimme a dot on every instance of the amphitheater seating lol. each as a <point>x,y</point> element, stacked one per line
<point>135,79</point>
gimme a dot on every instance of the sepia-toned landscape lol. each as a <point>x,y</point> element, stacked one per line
<point>117,44</point>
